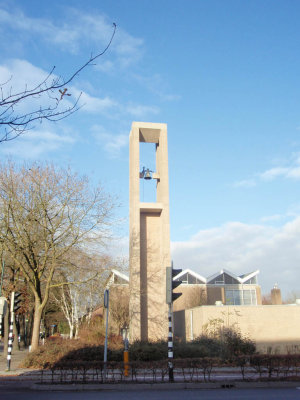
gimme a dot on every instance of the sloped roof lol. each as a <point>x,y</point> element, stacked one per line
<point>240,279</point>
<point>246,277</point>
<point>120,275</point>
<point>111,277</point>
<point>189,271</point>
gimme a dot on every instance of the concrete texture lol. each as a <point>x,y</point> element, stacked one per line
<point>274,328</point>
<point>16,359</point>
<point>149,238</point>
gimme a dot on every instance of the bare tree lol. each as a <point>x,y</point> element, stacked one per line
<point>266,299</point>
<point>46,213</point>
<point>48,100</point>
<point>85,276</point>
<point>292,297</point>
<point>119,307</point>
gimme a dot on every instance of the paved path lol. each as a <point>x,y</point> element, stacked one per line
<point>16,358</point>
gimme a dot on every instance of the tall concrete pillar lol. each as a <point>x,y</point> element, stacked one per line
<point>276,295</point>
<point>149,238</point>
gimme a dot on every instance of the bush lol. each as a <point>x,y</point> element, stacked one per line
<point>201,347</point>
<point>236,344</point>
<point>231,345</point>
<point>67,350</point>
<point>92,332</point>
<point>148,351</point>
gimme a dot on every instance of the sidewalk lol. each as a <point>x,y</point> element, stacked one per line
<point>16,358</point>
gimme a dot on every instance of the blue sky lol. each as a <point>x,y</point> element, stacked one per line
<point>224,76</point>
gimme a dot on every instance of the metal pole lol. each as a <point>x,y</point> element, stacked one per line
<point>170,345</point>
<point>106,331</point>
<point>106,306</point>
<point>1,284</point>
<point>11,328</point>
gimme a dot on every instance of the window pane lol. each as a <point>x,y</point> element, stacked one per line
<point>229,297</point>
<point>237,297</point>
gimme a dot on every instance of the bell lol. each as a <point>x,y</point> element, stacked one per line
<point>147,174</point>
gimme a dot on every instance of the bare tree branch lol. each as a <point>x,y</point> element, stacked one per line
<point>14,123</point>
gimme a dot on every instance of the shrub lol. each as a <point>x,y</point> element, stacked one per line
<point>235,344</point>
<point>68,350</point>
<point>61,350</point>
<point>93,332</point>
<point>148,351</point>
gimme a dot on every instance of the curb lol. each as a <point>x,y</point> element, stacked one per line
<point>164,386</point>
<point>121,387</point>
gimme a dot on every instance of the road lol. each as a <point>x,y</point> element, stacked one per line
<point>202,394</point>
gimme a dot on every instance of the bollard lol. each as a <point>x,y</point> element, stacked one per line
<point>126,363</point>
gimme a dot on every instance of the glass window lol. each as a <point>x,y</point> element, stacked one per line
<point>229,280</point>
<point>247,297</point>
<point>251,281</point>
<point>229,297</point>
<point>237,297</point>
<point>183,278</point>
<point>219,280</point>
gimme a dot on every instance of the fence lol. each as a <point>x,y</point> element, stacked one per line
<point>257,367</point>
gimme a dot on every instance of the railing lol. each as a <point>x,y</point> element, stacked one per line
<point>256,367</point>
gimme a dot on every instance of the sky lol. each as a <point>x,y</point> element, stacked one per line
<point>223,75</point>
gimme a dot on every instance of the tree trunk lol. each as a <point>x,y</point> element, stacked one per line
<point>36,325</point>
<point>76,329</point>
<point>71,327</point>
<point>29,327</point>
<point>22,330</point>
<point>15,332</point>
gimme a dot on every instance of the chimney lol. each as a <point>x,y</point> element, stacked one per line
<point>276,295</point>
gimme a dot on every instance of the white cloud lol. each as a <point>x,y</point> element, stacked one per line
<point>73,30</point>
<point>273,173</point>
<point>243,248</point>
<point>270,218</point>
<point>93,104</point>
<point>156,85</point>
<point>245,183</point>
<point>141,111</point>
<point>112,143</point>
<point>37,143</point>
<point>289,171</point>
<point>21,75</point>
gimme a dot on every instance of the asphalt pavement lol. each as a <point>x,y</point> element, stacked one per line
<point>18,382</point>
<point>196,394</point>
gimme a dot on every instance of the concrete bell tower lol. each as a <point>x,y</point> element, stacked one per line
<point>149,237</point>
